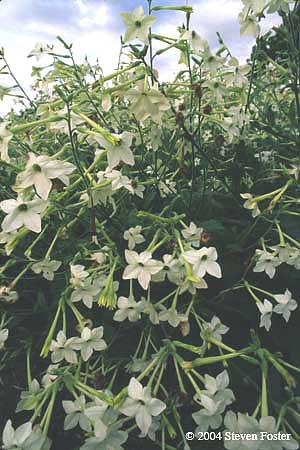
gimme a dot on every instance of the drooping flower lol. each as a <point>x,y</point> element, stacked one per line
<point>194,39</point>
<point>141,267</point>
<point>137,24</point>
<point>250,204</point>
<point>78,274</point>
<point>141,405</point>
<point>249,26</point>
<point>24,437</point>
<point>3,337</point>
<point>5,137</point>
<point>39,172</point>
<point>20,212</point>
<point>266,310</point>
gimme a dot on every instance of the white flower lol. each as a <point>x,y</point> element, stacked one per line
<point>295,170</point>
<point>134,236</point>
<point>39,51</point>
<point>50,376</point>
<point>211,61</point>
<point>78,274</point>
<point>5,137</point>
<point>76,414</point>
<point>86,291</point>
<point>147,102</point>
<point>39,172</point>
<point>7,295</point>
<point>90,341</point>
<point>47,267</point>
<point>268,424</point>
<point>214,399</point>
<point>286,304</point>
<point>173,269</point>
<point>192,234</point>
<point>237,76</point>
<point>99,257</point>
<point>171,316</point>
<point>249,26</point>
<point>15,439</point>
<point>267,262</point>
<point>20,212</point>
<point>166,187</point>
<point>194,39</point>
<point>204,261</point>
<point>217,89</point>
<point>120,151</point>
<point>141,267</point>
<point>137,24</point>
<point>241,423</point>
<point>3,337</point>
<point>266,310</point>
<point>214,329</point>
<point>141,405</point>
<point>284,254</point>
<point>128,309</point>
<point>63,348</point>
<point>250,204</point>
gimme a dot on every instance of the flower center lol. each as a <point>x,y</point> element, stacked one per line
<point>23,207</point>
<point>36,168</point>
<point>138,23</point>
<point>204,258</point>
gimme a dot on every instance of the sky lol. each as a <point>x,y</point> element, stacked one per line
<point>94,27</point>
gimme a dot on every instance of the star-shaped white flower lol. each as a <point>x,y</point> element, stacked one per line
<point>147,102</point>
<point>286,304</point>
<point>20,212</point>
<point>141,405</point>
<point>141,266</point>
<point>133,236</point>
<point>39,172</point>
<point>90,341</point>
<point>120,151</point>
<point>46,267</point>
<point>192,234</point>
<point>204,261</point>
<point>137,24</point>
